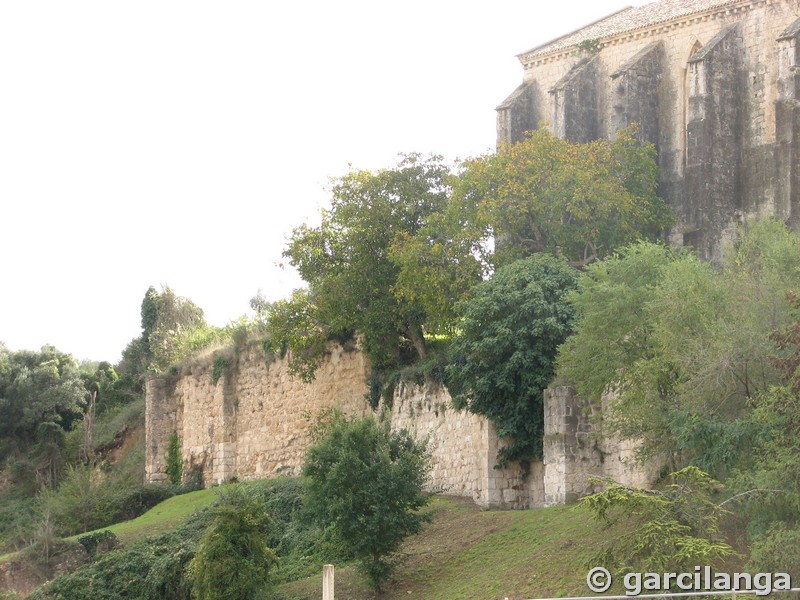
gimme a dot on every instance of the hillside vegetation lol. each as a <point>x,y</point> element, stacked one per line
<point>464,553</point>
<point>540,263</point>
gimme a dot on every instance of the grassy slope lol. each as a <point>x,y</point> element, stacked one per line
<point>464,553</point>
<point>162,517</point>
<point>467,553</point>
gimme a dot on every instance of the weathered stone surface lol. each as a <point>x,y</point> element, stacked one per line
<point>255,422</point>
<point>576,450</point>
<point>714,84</point>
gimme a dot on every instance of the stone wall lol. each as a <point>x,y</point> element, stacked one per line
<point>576,450</point>
<point>464,450</point>
<point>254,422</point>
<point>716,90</point>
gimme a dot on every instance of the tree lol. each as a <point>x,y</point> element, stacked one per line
<point>669,530</point>
<point>366,483</point>
<point>232,560</point>
<point>769,492</point>
<point>38,387</point>
<point>504,357</point>
<point>296,324</point>
<point>349,262</point>
<point>176,316</point>
<point>47,454</point>
<point>174,459</point>
<point>545,194</point>
<point>681,348</point>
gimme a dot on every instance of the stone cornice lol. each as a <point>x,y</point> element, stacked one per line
<point>533,59</point>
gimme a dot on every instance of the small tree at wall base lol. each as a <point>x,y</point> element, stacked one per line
<point>174,460</point>
<point>365,483</point>
<point>232,561</point>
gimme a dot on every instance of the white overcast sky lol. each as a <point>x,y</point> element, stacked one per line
<point>170,142</point>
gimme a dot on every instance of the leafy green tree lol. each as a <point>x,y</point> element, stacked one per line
<point>437,267</point>
<point>366,482</point>
<point>669,530</point>
<point>348,260</point>
<point>176,317</point>
<point>232,560</point>
<point>296,324</point>
<point>681,348</point>
<point>769,491</point>
<point>38,387</point>
<point>47,453</point>
<point>151,307</point>
<point>504,357</point>
<point>545,194</point>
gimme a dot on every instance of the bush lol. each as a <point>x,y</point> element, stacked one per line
<point>777,552</point>
<point>504,357</point>
<point>103,540</point>
<point>174,460</point>
<point>84,501</point>
<point>152,569</point>
<point>366,482</point>
<point>232,560</point>
<point>672,529</point>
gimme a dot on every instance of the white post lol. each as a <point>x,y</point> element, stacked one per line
<point>327,582</point>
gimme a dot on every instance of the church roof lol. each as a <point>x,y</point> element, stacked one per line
<point>628,19</point>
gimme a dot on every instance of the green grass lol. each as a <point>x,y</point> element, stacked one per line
<point>465,553</point>
<point>163,517</point>
<point>468,553</point>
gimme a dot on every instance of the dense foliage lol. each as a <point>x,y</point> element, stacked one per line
<point>365,483</point>
<point>684,348</point>
<point>669,530</point>
<point>174,459</point>
<point>504,357</point>
<point>36,388</point>
<point>229,546</point>
<point>232,559</point>
<point>546,194</point>
<point>348,262</point>
<point>700,365</point>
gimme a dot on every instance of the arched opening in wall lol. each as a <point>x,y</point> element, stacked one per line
<point>685,91</point>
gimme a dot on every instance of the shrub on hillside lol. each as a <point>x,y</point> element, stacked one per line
<point>232,560</point>
<point>365,483</point>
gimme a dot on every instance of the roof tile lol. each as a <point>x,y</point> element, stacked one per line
<point>628,19</point>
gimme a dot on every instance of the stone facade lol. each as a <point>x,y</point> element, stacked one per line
<point>714,84</point>
<point>254,422</point>
<point>464,450</point>
<point>576,451</point>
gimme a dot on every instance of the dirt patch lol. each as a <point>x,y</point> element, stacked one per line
<point>22,573</point>
<point>130,439</point>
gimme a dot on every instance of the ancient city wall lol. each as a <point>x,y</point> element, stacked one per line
<point>464,449</point>
<point>716,89</point>
<point>254,422</point>
<point>576,452</point>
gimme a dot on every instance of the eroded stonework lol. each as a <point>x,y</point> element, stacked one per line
<point>714,84</point>
<point>255,422</point>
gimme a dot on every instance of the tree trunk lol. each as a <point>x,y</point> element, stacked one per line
<point>414,333</point>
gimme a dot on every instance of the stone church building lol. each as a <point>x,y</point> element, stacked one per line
<point>714,84</point>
